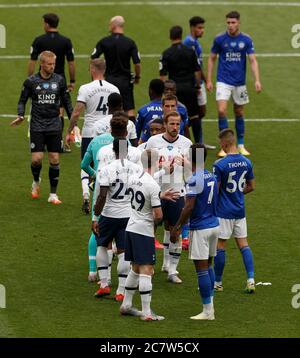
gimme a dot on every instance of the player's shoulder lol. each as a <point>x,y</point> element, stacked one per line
<point>221,162</point>
<point>188,40</point>
<point>185,140</point>
<point>181,107</point>
<point>152,141</point>
<point>246,36</point>
<point>220,35</point>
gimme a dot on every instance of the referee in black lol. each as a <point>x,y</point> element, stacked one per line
<point>118,51</point>
<point>47,91</point>
<point>180,64</point>
<point>62,46</point>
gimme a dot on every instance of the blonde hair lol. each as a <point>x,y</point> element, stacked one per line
<point>117,21</point>
<point>47,54</point>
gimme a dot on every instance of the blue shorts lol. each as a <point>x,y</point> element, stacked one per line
<point>112,228</point>
<point>172,210</point>
<point>139,249</point>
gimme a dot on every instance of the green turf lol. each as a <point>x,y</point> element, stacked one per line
<point>43,249</point>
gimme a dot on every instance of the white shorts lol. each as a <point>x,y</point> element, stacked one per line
<point>239,93</point>
<point>233,227</point>
<point>202,97</point>
<point>203,243</point>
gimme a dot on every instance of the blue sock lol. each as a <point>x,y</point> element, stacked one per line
<point>92,250</point>
<point>248,261</point>
<point>185,231</point>
<point>212,277</point>
<point>204,286</point>
<point>219,264</point>
<point>240,129</point>
<point>223,123</point>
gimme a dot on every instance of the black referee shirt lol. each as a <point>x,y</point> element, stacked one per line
<point>118,50</point>
<point>180,63</point>
<point>55,42</point>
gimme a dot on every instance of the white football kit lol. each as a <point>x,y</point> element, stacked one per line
<point>116,176</point>
<point>144,192</point>
<point>94,95</point>
<point>168,151</point>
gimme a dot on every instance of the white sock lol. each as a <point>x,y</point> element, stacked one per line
<point>251,280</point>
<point>123,269</point>
<point>110,257</point>
<point>145,288</point>
<point>102,265</point>
<point>85,184</point>
<point>175,252</point>
<point>218,283</point>
<point>207,308</point>
<point>131,284</point>
<point>240,145</point>
<point>166,244</point>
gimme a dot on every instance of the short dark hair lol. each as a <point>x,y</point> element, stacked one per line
<point>226,133</point>
<point>118,124</point>
<point>169,97</point>
<point>120,147</point>
<point>51,19</point>
<point>196,20</point>
<point>149,157</point>
<point>194,150</point>
<point>157,121</point>
<point>233,15</point>
<point>114,100</point>
<point>176,32</point>
<point>157,86</point>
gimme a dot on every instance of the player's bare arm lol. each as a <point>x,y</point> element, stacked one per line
<point>255,71</point>
<point>210,67</point>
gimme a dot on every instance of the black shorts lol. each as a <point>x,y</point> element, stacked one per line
<point>39,141</point>
<point>112,228</point>
<point>126,90</point>
<point>172,210</point>
<point>187,94</point>
<point>139,249</point>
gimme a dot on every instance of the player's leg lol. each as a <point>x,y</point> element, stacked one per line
<point>132,280</point>
<point>199,253</point>
<point>175,249</point>
<point>212,243</point>
<point>37,145</point>
<point>240,234</point>
<point>123,267</point>
<point>92,251</point>
<point>240,98</point>
<point>223,94</point>
<point>53,177</point>
<point>85,179</point>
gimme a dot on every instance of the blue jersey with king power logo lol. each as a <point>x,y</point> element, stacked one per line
<point>232,172</point>
<point>232,51</point>
<point>204,187</point>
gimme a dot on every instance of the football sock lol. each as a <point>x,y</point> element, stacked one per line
<point>123,269</point>
<point>102,265</point>
<point>175,252</point>
<point>166,244</point>
<point>211,273</point>
<point>197,129</point>
<point>204,284</point>
<point>223,123</point>
<point>85,184</point>
<point>145,288</point>
<point>110,257</point>
<point>53,177</point>
<point>131,284</point>
<point>248,261</point>
<point>240,129</point>
<point>92,251</point>
<point>185,231</point>
<point>35,170</point>
<point>219,264</point>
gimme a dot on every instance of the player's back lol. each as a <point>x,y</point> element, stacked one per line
<point>204,187</point>
<point>95,96</point>
<point>144,192</point>
<point>116,177</point>
<point>232,172</point>
<point>106,155</point>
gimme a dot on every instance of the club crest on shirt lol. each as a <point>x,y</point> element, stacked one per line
<point>169,147</point>
<point>54,85</point>
<point>241,45</point>
<point>232,44</point>
<point>46,85</point>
